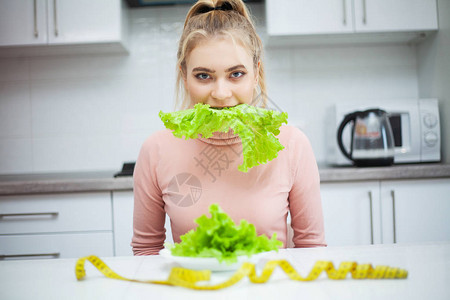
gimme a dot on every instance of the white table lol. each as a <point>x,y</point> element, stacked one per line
<point>428,266</point>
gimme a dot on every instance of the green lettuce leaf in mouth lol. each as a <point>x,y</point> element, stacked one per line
<point>221,238</point>
<point>257,128</point>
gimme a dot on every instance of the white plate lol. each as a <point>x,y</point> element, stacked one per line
<point>210,263</point>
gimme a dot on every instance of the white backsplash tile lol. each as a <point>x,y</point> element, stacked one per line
<point>347,56</point>
<point>16,156</point>
<point>74,67</point>
<point>14,69</point>
<point>144,121</point>
<point>278,60</point>
<point>15,110</point>
<point>76,153</point>
<point>280,90</point>
<point>75,107</point>
<point>130,144</point>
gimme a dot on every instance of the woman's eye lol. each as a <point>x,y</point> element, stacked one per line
<point>237,74</point>
<point>202,76</point>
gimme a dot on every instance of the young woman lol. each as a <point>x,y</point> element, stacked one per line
<point>219,63</point>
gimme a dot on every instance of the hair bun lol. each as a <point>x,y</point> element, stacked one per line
<point>224,7</point>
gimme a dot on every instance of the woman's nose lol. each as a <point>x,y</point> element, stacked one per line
<point>221,90</point>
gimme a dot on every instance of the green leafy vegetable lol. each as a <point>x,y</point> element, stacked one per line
<point>220,237</point>
<point>257,128</point>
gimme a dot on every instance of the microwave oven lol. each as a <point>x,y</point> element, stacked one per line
<point>415,124</point>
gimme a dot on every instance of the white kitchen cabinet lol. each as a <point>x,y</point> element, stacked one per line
<point>395,15</point>
<point>303,17</point>
<point>415,210</point>
<point>56,225</point>
<point>23,22</point>
<point>83,21</point>
<point>386,212</point>
<point>123,222</point>
<point>62,22</point>
<point>287,17</point>
<point>123,204</point>
<point>350,211</point>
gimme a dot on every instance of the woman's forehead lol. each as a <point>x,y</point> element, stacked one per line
<point>222,51</point>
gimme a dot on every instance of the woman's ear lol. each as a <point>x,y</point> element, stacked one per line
<point>257,73</point>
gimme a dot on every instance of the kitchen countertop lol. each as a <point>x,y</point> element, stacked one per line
<point>396,172</point>
<point>104,181</point>
<point>428,267</point>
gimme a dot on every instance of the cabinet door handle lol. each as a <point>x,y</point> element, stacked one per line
<point>6,256</point>
<point>55,16</point>
<point>36,32</point>
<point>344,10</point>
<point>393,215</point>
<point>364,19</point>
<point>50,214</point>
<point>371,217</point>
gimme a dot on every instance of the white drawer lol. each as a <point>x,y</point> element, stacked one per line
<point>45,246</point>
<point>55,213</point>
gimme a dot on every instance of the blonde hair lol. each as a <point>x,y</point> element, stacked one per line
<point>211,18</point>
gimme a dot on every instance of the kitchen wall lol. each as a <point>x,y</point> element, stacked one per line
<point>82,113</point>
<point>434,72</point>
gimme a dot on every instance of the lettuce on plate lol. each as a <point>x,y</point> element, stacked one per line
<point>221,238</point>
<point>257,128</point>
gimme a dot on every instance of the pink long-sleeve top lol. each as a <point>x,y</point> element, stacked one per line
<point>184,177</point>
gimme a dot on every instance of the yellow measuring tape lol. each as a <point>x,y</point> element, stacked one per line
<point>190,278</point>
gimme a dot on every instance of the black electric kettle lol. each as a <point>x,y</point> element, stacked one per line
<point>372,140</point>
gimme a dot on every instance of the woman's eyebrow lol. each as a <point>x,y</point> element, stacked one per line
<point>235,68</point>
<point>201,69</point>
